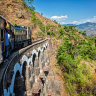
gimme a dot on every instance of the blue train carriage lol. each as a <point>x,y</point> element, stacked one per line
<point>2,38</point>
<point>22,36</point>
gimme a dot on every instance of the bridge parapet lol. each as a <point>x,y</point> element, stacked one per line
<point>26,71</point>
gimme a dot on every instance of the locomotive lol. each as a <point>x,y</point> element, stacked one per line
<point>20,36</point>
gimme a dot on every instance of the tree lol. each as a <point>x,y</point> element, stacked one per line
<point>55,21</point>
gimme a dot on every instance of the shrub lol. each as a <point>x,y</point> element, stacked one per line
<point>53,33</point>
<point>55,21</point>
<point>61,32</point>
<point>59,25</point>
<point>83,33</point>
<point>40,34</point>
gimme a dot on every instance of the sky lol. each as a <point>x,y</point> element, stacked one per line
<point>67,11</point>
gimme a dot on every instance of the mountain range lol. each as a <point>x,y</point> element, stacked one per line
<point>88,26</point>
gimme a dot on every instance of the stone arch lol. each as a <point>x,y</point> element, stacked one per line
<point>24,74</point>
<point>39,54</point>
<point>46,45</point>
<point>39,59</point>
<point>34,59</point>
<point>10,90</point>
<point>44,56</point>
<point>24,59</point>
<point>33,67</point>
<point>18,85</point>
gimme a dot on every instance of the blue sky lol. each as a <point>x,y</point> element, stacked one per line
<point>67,11</point>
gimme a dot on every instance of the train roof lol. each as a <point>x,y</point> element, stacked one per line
<point>19,28</point>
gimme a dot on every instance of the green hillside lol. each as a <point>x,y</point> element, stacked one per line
<point>76,58</point>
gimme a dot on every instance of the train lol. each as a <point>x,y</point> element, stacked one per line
<point>20,36</point>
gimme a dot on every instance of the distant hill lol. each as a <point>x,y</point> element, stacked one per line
<point>89,27</point>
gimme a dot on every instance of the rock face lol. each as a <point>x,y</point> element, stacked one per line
<point>20,15</point>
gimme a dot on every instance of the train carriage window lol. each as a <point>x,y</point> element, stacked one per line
<point>20,37</point>
<point>16,32</point>
<point>22,32</point>
<point>15,37</point>
<point>23,37</point>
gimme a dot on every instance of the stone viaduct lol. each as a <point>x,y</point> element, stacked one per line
<point>26,71</point>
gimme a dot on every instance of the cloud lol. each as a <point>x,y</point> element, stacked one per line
<point>93,20</point>
<point>62,20</point>
<point>59,18</point>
